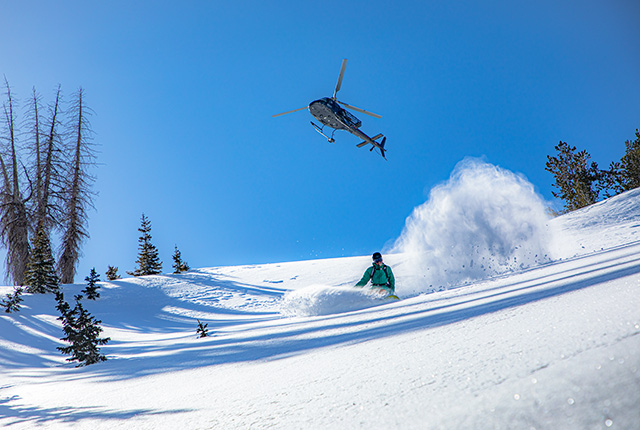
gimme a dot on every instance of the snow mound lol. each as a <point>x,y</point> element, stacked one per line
<point>482,222</point>
<point>616,210</point>
<point>600,226</point>
<point>318,300</point>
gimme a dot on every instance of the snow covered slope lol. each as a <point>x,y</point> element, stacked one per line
<point>292,345</point>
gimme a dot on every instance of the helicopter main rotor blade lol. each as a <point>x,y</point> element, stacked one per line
<point>340,76</point>
<point>357,109</point>
<point>291,111</point>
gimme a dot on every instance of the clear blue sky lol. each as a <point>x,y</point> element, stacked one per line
<point>183,94</point>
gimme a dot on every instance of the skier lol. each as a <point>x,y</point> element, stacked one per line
<point>381,277</point>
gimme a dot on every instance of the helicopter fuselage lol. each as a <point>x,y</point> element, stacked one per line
<point>330,113</point>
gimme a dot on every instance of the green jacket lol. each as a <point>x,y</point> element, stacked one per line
<point>382,277</point>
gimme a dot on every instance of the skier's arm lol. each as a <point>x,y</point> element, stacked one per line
<point>365,278</point>
<point>392,280</point>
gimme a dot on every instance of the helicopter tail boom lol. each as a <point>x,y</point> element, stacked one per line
<point>374,144</point>
<point>366,142</point>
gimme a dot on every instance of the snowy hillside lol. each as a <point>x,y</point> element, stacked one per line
<point>553,344</point>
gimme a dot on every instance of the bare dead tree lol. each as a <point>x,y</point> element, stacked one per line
<point>47,168</point>
<point>78,196</point>
<point>14,222</point>
<point>34,133</point>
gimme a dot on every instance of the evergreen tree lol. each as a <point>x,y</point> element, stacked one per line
<point>576,179</point>
<point>78,194</point>
<point>148,261</point>
<point>40,276</point>
<point>612,180</point>
<point>112,273</point>
<point>81,331</point>
<point>179,266</point>
<point>630,164</point>
<point>12,302</point>
<point>63,307</point>
<point>202,329</point>
<point>91,290</point>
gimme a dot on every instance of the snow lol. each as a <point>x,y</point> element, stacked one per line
<point>483,221</point>
<point>547,343</point>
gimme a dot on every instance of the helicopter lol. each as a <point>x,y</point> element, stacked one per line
<point>328,112</point>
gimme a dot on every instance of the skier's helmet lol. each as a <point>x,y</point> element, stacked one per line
<point>377,257</point>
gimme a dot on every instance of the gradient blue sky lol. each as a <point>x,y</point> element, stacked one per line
<point>183,94</point>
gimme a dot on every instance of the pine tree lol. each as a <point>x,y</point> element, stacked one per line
<point>202,329</point>
<point>576,179</point>
<point>40,276</point>
<point>630,164</point>
<point>91,290</point>
<point>612,180</point>
<point>78,194</point>
<point>12,302</point>
<point>61,305</point>
<point>112,273</point>
<point>148,261</point>
<point>81,331</point>
<point>179,266</point>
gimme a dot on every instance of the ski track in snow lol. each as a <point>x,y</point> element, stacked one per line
<point>293,346</point>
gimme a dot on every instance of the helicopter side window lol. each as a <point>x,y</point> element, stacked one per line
<point>354,121</point>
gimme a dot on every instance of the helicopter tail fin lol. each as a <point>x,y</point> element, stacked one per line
<point>374,144</point>
<point>380,146</point>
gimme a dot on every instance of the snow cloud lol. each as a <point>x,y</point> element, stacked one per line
<point>326,300</point>
<point>482,222</point>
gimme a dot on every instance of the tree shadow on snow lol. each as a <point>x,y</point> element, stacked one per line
<point>300,335</point>
<point>235,340</point>
<point>29,337</point>
<point>14,413</point>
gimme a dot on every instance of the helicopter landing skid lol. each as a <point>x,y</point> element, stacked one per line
<point>319,130</point>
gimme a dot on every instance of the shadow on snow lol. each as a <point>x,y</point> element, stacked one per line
<point>16,414</point>
<point>236,340</point>
<point>299,335</point>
